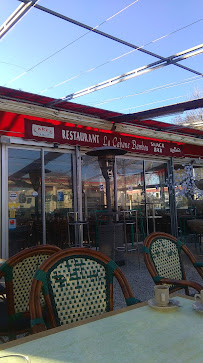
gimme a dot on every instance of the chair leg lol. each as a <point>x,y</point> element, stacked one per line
<point>88,233</point>
<point>187,291</point>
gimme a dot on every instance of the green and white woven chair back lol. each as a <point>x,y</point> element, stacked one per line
<point>23,274</point>
<point>166,258</point>
<point>79,288</point>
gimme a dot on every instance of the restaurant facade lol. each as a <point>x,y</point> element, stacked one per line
<point>48,182</point>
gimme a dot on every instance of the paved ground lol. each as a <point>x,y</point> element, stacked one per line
<point>141,282</point>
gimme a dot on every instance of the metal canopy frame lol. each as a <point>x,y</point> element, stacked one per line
<point>106,35</point>
<point>163,61</point>
<point>173,59</point>
<point>114,117</point>
<point>160,111</point>
<point>21,10</point>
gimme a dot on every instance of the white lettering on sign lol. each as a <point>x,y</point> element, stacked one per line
<point>117,142</point>
<point>106,142</point>
<point>80,136</point>
<point>136,146</point>
<point>43,131</point>
<point>175,150</point>
<point>158,150</point>
<point>158,146</point>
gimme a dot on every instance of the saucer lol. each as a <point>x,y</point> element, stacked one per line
<point>172,305</point>
<point>197,306</point>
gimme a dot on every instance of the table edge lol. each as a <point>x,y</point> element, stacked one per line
<point>58,329</point>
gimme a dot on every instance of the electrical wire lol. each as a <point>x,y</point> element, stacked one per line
<point>58,51</point>
<point>12,64</point>
<point>119,57</point>
<point>165,86</point>
<point>151,103</point>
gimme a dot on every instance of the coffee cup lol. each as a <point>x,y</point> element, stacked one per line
<point>161,295</point>
<point>199,297</point>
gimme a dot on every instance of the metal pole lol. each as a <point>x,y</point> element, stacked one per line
<point>172,200</point>
<point>43,199</point>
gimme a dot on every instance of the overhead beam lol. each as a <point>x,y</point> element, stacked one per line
<point>106,35</point>
<point>160,111</point>
<point>15,17</point>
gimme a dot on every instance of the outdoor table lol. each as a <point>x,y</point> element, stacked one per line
<point>137,333</point>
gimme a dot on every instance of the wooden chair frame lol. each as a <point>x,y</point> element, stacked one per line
<point>6,271</point>
<point>177,284</point>
<point>37,285</point>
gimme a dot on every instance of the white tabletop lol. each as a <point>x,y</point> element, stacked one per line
<point>136,335</point>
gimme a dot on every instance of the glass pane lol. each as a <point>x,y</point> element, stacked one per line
<point>24,199</point>
<point>58,197</point>
<point>157,197</point>
<point>94,194</point>
<point>130,184</point>
<point>93,186</point>
<point>189,200</point>
<point>130,193</point>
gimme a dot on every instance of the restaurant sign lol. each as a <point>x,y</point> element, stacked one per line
<point>35,130</point>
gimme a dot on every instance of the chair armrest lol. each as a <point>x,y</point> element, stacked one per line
<point>183,283</point>
<point>198,264</point>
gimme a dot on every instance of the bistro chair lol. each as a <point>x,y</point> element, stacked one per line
<point>77,283</point>
<point>163,259</point>
<point>18,272</point>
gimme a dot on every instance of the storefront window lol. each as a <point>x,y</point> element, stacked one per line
<point>189,199</point>
<point>157,197</point>
<point>24,199</point>
<point>58,197</point>
<point>94,187</point>
<point>130,183</point>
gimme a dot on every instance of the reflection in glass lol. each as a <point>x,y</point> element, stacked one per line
<point>93,186</point>
<point>58,197</point>
<point>130,183</point>
<point>130,192</point>
<point>157,197</point>
<point>189,199</point>
<point>24,199</point>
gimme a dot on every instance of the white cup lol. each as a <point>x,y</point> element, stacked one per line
<point>161,295</point>
<point>199,297</point>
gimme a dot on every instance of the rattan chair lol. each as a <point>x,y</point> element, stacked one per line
<point>18,272</point>
<point>163,259</point>
<point>77,283</point>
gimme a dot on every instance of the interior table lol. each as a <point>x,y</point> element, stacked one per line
<point>137,333</point>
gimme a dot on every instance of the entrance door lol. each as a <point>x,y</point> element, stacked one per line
<point>24,199</point>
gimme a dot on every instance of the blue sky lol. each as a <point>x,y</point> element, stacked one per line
<point>38,35</point>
